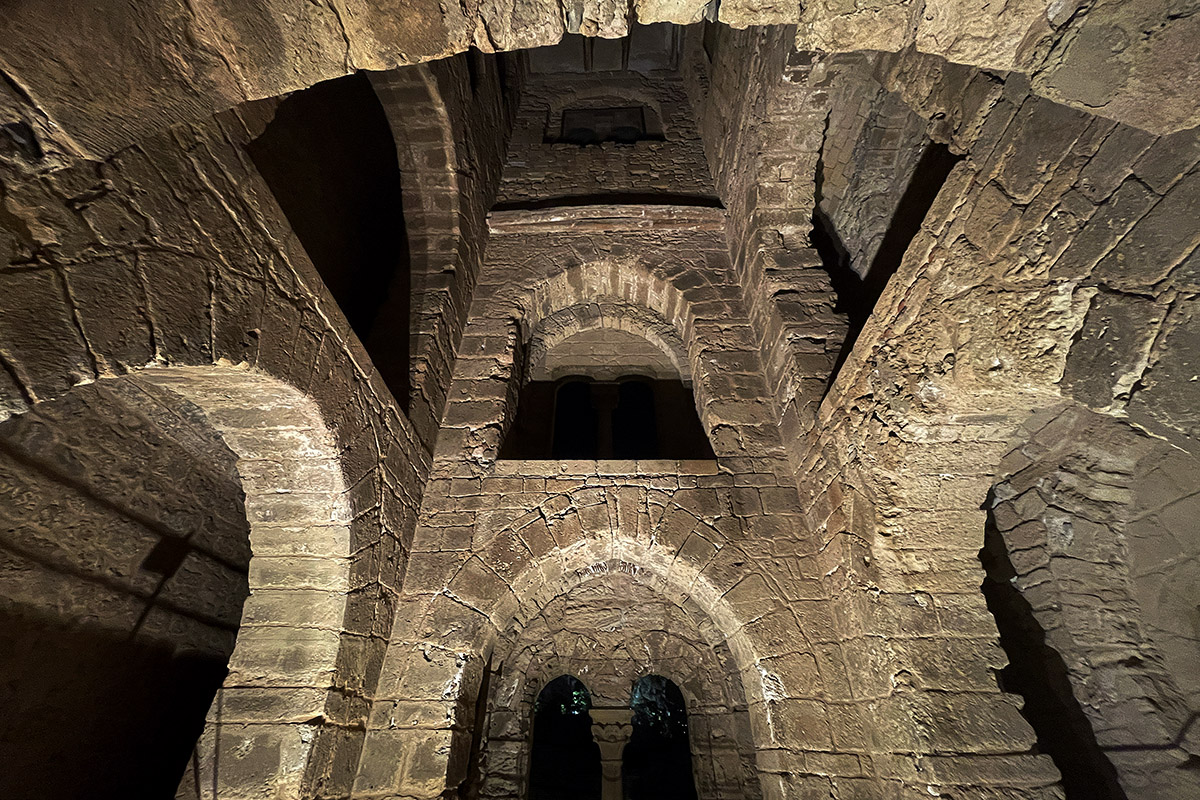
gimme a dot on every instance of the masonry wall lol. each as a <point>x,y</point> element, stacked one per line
<point>172,254</point>
<point>541,170</point>
<point>1052,272</point>
<point>988,320</point>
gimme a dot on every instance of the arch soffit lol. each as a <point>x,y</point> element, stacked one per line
<point>290,471</point>
<point>593,556</point>
<point>413,104</point>
<point>721,686</point>
<point>627,282</point>
<point>607,313</point>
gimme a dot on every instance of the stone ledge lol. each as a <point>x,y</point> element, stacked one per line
<point>607,219</point>
<point>551,468</point>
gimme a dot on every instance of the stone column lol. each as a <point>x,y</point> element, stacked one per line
<point>605,397</point>
<point>611,728</point>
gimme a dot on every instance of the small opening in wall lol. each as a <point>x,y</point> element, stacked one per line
<point>633,417</point>
<point>1036,672</point>
<point>564,759</point>
<point>623,125</point>
<point>657,763</point>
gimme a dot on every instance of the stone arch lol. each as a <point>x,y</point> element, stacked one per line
<point>670,644</point>
<point>457,603</point>
<point>273,707</point>
<point>1092,581</point>
<point>432,203</point>
<point>687,301</point>
<point>599,316</point>
<point>292,633</point>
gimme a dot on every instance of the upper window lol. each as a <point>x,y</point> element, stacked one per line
<point>633,417</point>
<point>624,125</point>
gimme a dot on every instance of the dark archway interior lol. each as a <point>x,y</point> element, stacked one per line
<point>1036,672</point>
<point>97,714</point>
<point>631,418</point>
<point>124,553</point>
<point>565,761</point>
<point>658,760</point>
<point>330,160</point>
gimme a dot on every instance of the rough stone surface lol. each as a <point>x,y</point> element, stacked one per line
<point>171,365</point>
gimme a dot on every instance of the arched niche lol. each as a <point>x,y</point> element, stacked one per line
<point>180,539</point>
<point>605,379</point>
<point>610,627</point>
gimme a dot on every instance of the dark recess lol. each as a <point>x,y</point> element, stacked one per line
<point>469,788</point>
<point>97,714</point>
<point>330,160</point>
<point>856,297</point>
<point>657,762</point>
<point>1036,672</point>
<point>564,760</point>
<point>632,418</point>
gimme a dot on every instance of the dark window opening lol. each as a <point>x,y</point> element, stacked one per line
<point>626,125</point>
<point>576,421</point>
<point>581,419</point>
<point>330,160</point>
<point>564,759</point>
<point>857,296</point>
<point>1037,672</point>
<point>657,763</point>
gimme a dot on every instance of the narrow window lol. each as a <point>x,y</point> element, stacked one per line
<point>564,760</point>
<point>658,758</point>
<point>625,125</point>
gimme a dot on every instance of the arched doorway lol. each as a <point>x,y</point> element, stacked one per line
<point>658,760</point>
<point>565,761</point>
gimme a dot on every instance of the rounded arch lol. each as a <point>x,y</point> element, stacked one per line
<point>612,629</point>
<point>291,632</point>
<point>600,315</point>
<point>150,461</point>
<point>735,419</point>
<point>432,204</point>
<point>626,281</point>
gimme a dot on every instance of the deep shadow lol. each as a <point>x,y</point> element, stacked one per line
<point>469,788</point>
<point>857,296</point>
<point>330,160</point>
<point>100,715</point>
<point>1036,672</point>
<point>634,426</point>
<point>631,418</point>
<point>657,763</point>
<point>564,760</point>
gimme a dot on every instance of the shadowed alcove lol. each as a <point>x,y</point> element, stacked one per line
<point>658,759</point>
<point>329,158</point>
<point>565,761</point>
